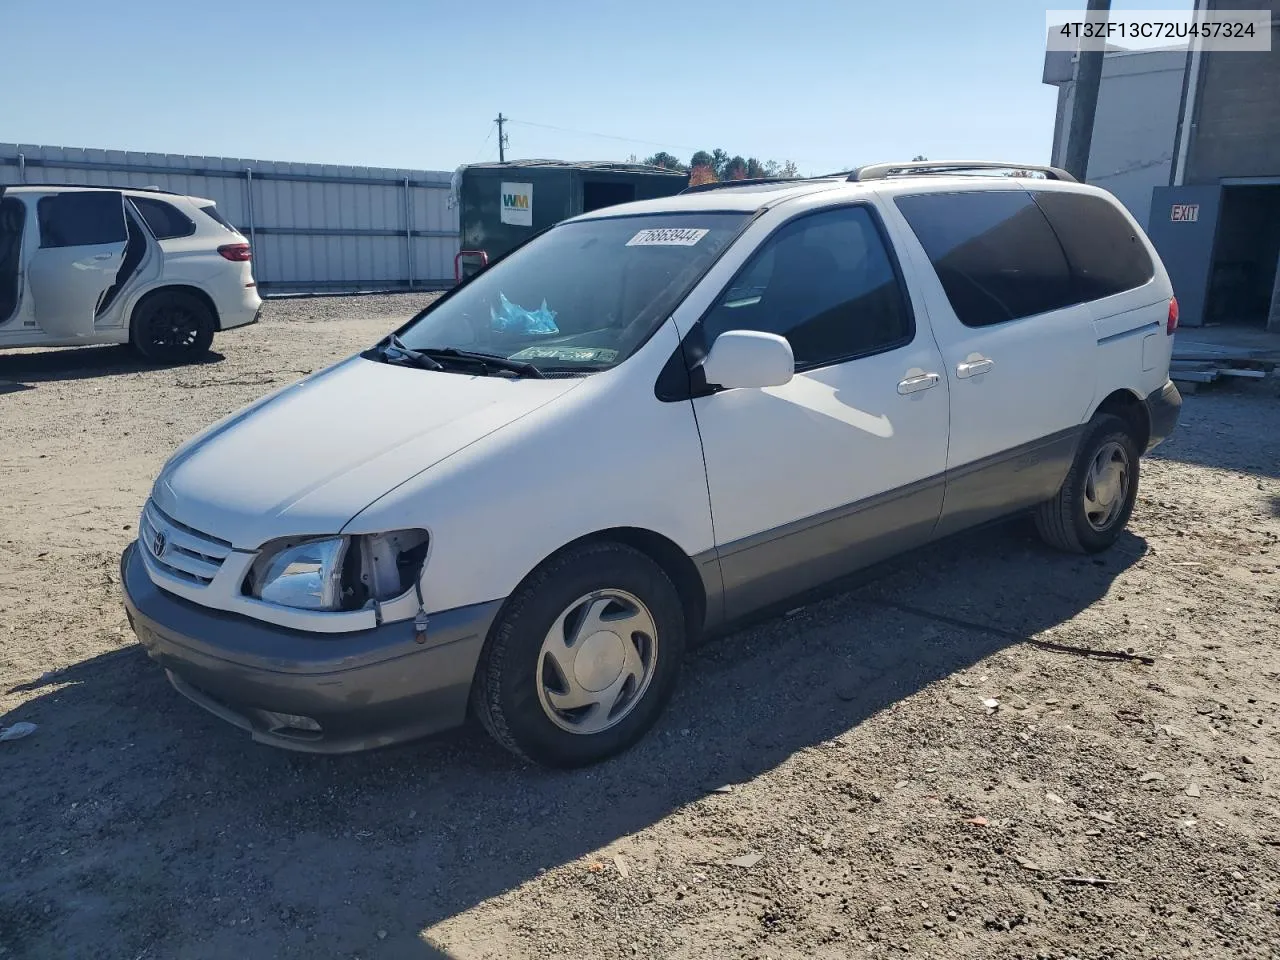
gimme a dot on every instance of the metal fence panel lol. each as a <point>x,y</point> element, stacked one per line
<point>314,227</point>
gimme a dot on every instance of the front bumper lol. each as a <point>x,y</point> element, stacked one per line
<point>1163,408</point>
<point>361,690</point>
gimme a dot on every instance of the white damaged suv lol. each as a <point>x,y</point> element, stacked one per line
<point>649,422</point>
<point>95,265</point>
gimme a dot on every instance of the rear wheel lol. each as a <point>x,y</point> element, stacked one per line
<point>172,326</point>
<point>583,657</point>
<point>1097,497</point>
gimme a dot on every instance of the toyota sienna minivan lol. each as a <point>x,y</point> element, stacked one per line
<point>646,423</point>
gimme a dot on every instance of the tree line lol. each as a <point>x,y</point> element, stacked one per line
<point>714,166</point>
<point>710,166</point>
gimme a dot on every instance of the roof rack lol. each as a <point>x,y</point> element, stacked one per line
<point>750,182</point>
<point>881,171</point>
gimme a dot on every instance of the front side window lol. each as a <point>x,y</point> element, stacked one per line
<point>165,221</point>
<point>81,219</point>
<point>581,297</point>
<point>994,252</point>
<point>826,283</point>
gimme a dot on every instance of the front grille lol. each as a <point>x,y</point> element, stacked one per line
<point>180,550</point>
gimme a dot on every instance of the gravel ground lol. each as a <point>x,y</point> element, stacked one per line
<point>825,784</point>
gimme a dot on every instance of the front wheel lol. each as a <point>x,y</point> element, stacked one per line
<point>172,326</point>
<point>583,657</point>
<point>1097,497</point>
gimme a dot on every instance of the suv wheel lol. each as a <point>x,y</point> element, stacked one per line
<point>172,327</point>
<point>1097,497</point>
<point>583,657</point>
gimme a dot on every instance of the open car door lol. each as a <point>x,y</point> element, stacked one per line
<point>82,244</point>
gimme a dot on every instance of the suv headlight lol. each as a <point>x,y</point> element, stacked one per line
<point>337,573</point>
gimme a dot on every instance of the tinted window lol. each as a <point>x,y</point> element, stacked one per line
<point>80,219</point>
<point>163,219</point>
<point>212,213</point>
<point>826,283</point>
<point>1104,251</point>
<point>994,252</point>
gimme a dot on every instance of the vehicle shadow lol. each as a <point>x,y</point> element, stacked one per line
<point>76,363</point>
<point>138,821</point>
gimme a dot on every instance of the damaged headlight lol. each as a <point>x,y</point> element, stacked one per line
<point>337,573</point>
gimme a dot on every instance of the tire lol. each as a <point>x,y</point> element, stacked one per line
<point>523,675</point>
<point>1082,518</point>
<point>172,326</point>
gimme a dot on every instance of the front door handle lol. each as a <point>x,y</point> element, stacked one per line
<point>974,367</point>
<point>915,384</point>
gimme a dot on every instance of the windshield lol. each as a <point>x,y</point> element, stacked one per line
<point>581,297</point>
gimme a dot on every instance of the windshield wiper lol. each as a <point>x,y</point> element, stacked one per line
<point>484,359</point>
<point>395,350</point>
<point>407,354</point>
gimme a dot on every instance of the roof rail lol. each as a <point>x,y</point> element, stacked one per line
<point>102,186</point>
<point>881,171</point>
<point>730,184</point>
<point>750,182</point>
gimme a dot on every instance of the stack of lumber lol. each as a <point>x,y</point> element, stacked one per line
<point>1196,362</point>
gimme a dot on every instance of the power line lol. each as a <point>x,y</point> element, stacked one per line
<point>486,142</point>
<point>603,136</point>
<point>608,136</point>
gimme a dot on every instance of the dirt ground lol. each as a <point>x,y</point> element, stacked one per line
<point>825,784</point>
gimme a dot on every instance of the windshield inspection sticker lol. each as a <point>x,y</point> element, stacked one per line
<point>668,237</point>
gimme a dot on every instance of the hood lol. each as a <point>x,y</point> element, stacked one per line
<point>310,457</point>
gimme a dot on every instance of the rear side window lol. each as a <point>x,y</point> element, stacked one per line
<point>212,213</point>
<point>164,220</point>
<point>81,219</point>
<point>826,283</point>
<point>994,252</point>
<point>1104,250</point>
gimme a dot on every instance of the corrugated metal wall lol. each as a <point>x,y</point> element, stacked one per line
<point>313,227</point>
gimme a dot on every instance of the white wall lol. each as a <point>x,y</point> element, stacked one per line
<point>1134,126</point>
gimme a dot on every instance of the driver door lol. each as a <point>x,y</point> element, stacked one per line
<point>82,244</point>
<point>843,465</point>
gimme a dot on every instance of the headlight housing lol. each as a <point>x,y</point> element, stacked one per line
<point>307,575</point>
<point>337,573</point>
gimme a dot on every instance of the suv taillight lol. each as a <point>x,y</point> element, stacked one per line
<point>1172,325</point>
<point>238,252</point>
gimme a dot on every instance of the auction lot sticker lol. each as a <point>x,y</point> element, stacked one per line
<point>668,237</point>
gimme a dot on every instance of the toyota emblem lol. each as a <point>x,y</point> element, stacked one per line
<point>158,544</point>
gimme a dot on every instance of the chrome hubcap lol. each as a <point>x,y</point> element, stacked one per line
<point>1106,488</point>
<point>597,661</point>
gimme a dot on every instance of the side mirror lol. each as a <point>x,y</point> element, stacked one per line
<point>748,358</point>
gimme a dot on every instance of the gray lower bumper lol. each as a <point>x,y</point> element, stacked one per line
<point>1163,409</point>
<point>362,690</point>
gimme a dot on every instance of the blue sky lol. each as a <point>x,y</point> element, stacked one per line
<point>417,84</point>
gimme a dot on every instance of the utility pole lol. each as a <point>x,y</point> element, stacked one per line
<point>1085,102</point>
<point>502,138</point>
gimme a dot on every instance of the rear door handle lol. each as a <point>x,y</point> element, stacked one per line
<point>973,368</point>
<point>915,384</point>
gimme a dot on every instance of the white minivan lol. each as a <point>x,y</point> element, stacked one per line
<point>646,423</point>
<point>95,265</point>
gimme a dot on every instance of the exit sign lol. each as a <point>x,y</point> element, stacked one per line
<point>1185,212</point>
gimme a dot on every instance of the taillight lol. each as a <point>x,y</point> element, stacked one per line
<point>238,252</point>
<point>1172,325</point>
